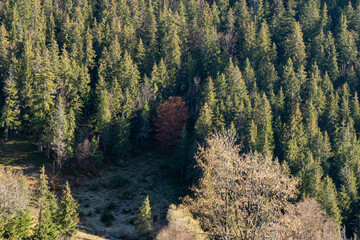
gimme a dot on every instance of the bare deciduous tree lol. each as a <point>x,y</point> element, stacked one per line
<point>14,193</point>
<point>306,220</point>
<point>239,196</point>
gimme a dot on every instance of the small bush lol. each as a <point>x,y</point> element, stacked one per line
<point>111,206</point>
<point>107,217</point>
<point>125,196</point>
<point>117,182</point>
<point>94,186</point>
<point>97,210</point>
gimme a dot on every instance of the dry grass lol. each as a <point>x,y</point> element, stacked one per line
<point>85,236</point>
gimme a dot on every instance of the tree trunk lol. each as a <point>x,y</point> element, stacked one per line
<point>6,133</point>
<point>39,144</point>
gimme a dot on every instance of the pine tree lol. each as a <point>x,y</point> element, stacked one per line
<point>103,115</point>
<point>291,85</point>
<point>209,94</point>
<point>250,78</point>
<point>4,57</point>
<point>331,58</point>
<point>47,227</point>
<point>328,199</point>
<point>143,218</point>
<point>252,138</point>
<point>263,117</point>
<point>296,142</point>
<point>89,52</point>
<point>130,76</point>
<point>220,86</point>
<point>348,51</point>
<point>355,110</point>
<point>310,175</point>
<point>313,92</point>
<point>43,96</point>
<point>68,217</point>
<point>264,44</point>
<point>310,18</point>
<point>295,47</point>
<point>203,125</point>
<point>10,112</point>
<point>122,130</point>
<point>181,153</point>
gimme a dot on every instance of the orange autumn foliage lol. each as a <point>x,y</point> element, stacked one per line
<point>171,118</point>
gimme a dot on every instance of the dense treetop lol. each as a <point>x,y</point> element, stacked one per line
<point>283,75</point>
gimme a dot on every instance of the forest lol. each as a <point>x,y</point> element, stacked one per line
<point>254,101</point>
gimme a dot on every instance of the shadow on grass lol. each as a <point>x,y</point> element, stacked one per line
<point>22,152</point>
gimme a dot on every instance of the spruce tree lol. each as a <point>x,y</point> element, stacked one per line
<point>295,47</point>
<point>346,44</point>
<point>296,141</point>
<point>204,123</point>
<point>68,217</point>
<point>10,113</point>
<point>328,199</point>
<point>263,117</point>
<point>143,218</point>
<point>103,115</point>
<point>47,227</point>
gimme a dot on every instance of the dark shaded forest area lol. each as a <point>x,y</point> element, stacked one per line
<point>95,78</point>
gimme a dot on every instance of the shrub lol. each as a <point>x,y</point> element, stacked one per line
<point>117,182</point>
<point>107,217</point>
<point>182,225</point>
<point>94,186</point>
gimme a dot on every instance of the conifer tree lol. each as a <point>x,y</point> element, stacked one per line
<point>209,94</point>
<point>58,130</point>
<point>328,199</point>
<point>10,114</point>
<point>122,130</point>
<point>47,227</point>
<point>331,55</point>
<point>346,44</point>
<point>4,56</point>
<point>203,125</point>
<point>263,117</point>
<point>143,218</point>
<point>311,175</point>
<point>68,216</point>
<point>43,96</point>
<point>89,52</point>
<point>291,85</point>
<point>295,47</point>
<point>310,18</point>
<point>250,78</point>
<point>264,44</point>
<point>295,142</point>
<point>103,115</point>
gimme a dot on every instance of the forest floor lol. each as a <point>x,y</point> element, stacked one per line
<point>109,201</point>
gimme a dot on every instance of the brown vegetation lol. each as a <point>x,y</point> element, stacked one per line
<point>171,118</point>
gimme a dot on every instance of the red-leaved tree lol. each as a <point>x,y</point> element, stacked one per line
<point>171,118</point>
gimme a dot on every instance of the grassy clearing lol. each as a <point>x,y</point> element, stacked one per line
<point>23,153</point>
